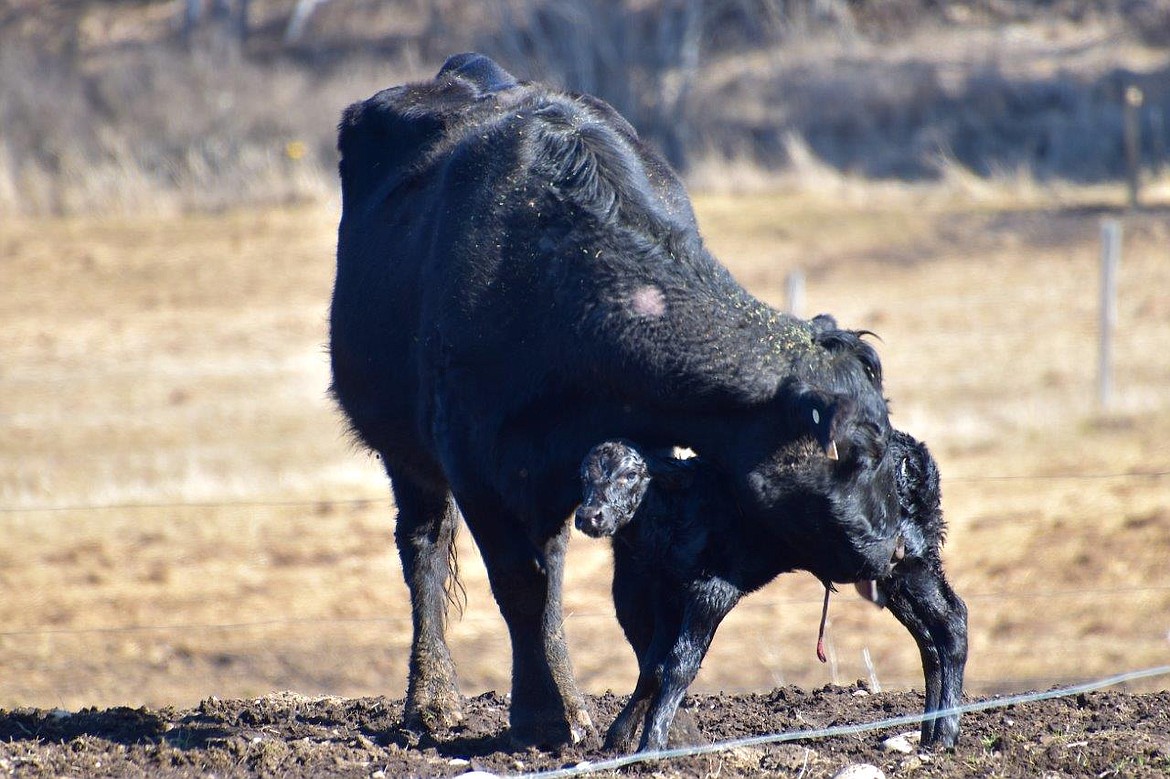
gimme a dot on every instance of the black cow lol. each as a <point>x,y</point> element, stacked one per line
<point>519,277</point>
<point>684,555</point>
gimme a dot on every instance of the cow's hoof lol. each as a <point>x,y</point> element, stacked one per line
<point>432,714</point>
<point>942,733</point>
<point>551,730</point>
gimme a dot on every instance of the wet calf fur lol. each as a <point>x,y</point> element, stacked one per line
<point>684,555</point>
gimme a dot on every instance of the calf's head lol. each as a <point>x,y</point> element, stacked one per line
<point>920,525</point>
<point>919,497</point>
<point>614,480</point>
<point>615,477</point>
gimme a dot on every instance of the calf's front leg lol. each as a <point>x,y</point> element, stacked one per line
<point>644,618</point>
<point>620,735</point>
<point>706,604</point>
<point>920,597</point>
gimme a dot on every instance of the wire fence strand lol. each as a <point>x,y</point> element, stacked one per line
<point>194,627</point>
<point>847,730</point>
<point>385,497</point>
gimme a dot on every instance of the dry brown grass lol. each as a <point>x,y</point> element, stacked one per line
<point>180,361</point>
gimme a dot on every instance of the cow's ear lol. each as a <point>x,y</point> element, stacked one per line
<point>824,416</point>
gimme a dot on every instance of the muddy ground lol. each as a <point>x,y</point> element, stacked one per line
<point>1101,734</point>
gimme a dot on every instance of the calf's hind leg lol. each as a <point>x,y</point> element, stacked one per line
<point>425,533</point>
<point>644,617</point>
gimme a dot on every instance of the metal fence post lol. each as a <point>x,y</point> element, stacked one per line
<point>794,288</point>
<point>1110,260</point>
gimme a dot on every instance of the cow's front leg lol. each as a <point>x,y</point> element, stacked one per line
<point>547,708</point>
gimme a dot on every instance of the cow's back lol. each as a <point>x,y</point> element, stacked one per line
<point>518,274</point>
<point>459,243</point>
<point>385,143</point>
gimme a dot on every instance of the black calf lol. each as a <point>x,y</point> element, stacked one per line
<point>690,556</point>
<point>918,593</point>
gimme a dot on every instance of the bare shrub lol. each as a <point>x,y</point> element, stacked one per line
<point>111,107</point>
<point>43,122</point>
<point>159,131</point>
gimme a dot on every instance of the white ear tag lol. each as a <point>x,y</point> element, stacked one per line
<point>816,417</point>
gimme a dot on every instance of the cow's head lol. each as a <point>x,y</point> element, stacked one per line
<point>824,478</point>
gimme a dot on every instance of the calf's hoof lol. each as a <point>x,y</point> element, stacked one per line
<point>684,731</point>
<point>619,738</point>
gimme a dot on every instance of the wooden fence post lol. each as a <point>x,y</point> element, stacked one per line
<point>1132,121</point>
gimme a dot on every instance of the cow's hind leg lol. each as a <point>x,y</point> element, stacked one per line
<point>425,534</point>
<point>547,708</point>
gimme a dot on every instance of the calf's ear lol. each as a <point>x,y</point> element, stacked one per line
<point>669,473</point>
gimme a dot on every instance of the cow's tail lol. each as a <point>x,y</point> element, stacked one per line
<point>455,591</point>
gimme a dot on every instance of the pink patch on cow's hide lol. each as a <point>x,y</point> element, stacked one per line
<point>648,301</point>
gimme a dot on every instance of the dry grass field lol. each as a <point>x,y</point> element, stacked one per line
<point>184,516</point>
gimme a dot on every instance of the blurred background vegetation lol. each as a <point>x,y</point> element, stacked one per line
<point>173,105</point>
